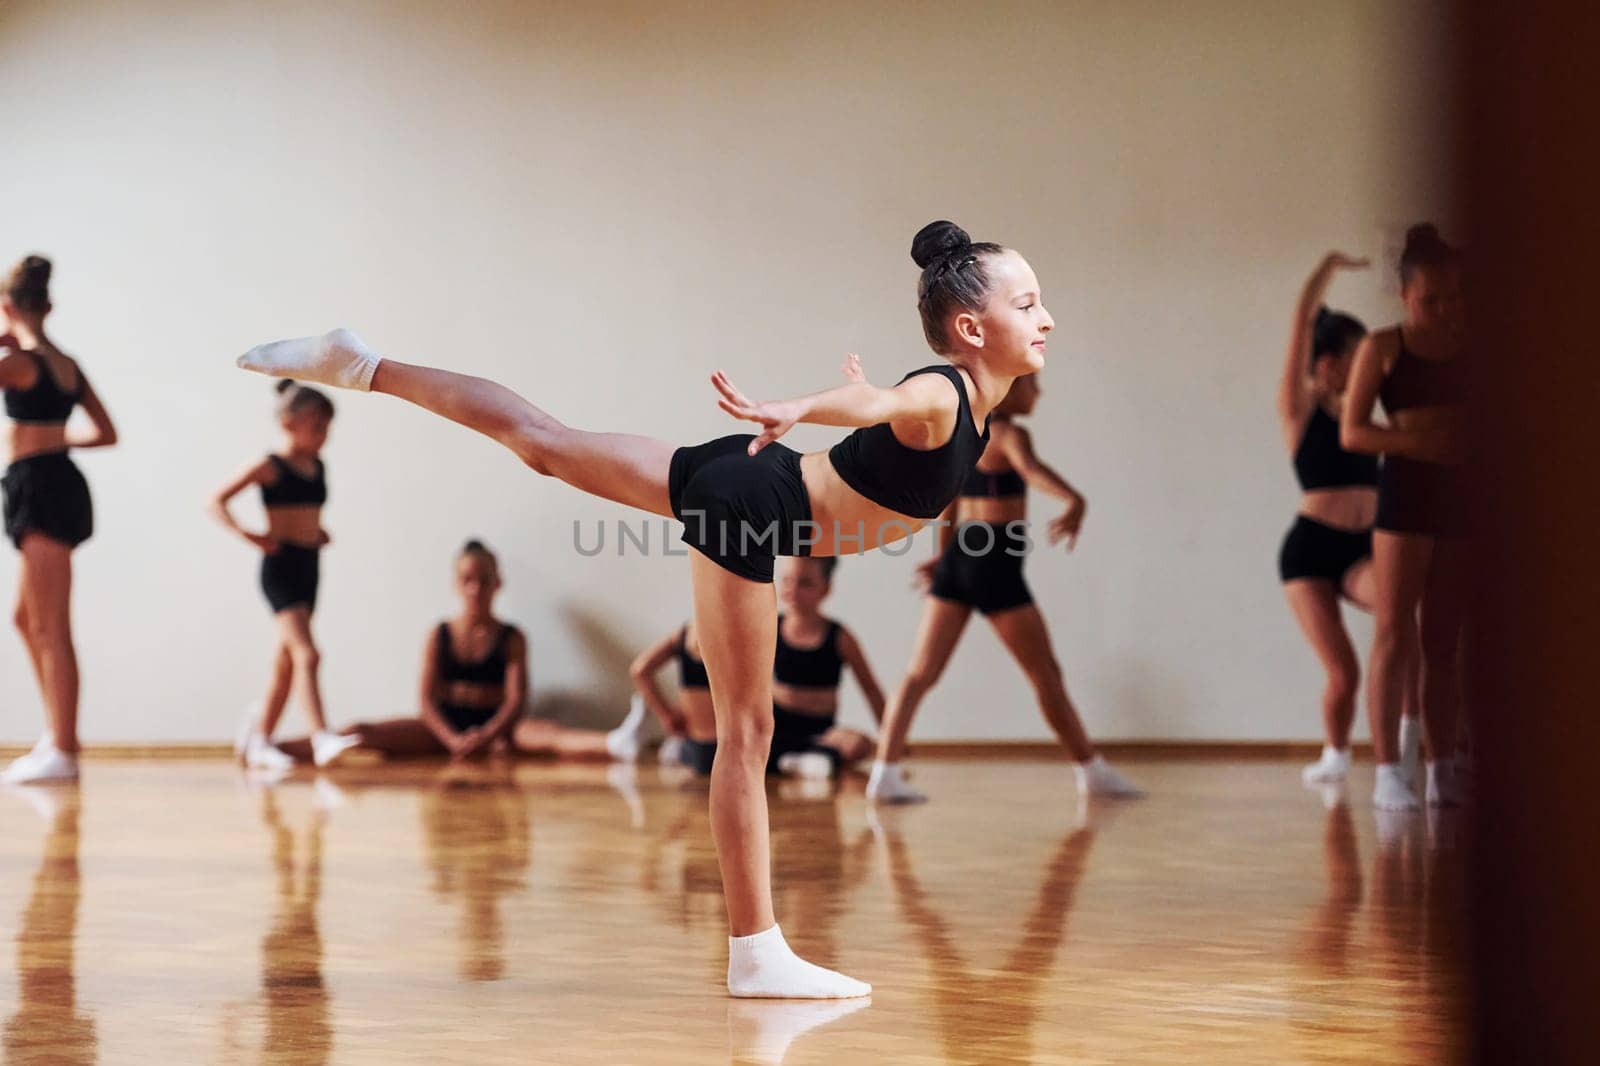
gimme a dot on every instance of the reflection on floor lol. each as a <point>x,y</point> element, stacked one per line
<point>185,912</point>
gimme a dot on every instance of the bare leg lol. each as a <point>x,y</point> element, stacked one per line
<point>277,690</point>
<point>1023,631</point>
<point>1316,607</point>
<point>737,623</point>
<point>540,736</point>
<point>47,586</point>
<point>1400,565</point>
<point>616,466</point>
<point>294,628</point>
<point>395,738</point>
<point>937,635</point>
<point>851,745</point>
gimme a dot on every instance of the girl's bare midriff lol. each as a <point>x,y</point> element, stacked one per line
<point>846,521</point>
<point>37,438</point>
<point>1353,509</point>
<point>807,699</point>
<point>296,524</point>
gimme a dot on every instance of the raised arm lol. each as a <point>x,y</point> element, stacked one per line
<point>643,671</point>
<point>922,410</point>
<point>856,659</point>
<point>104,432</point>
<point>1295,397</point>
<point>256,474</point>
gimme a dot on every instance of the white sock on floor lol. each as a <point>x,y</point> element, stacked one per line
<point>260,754</point>
<point>887,784</point>
<point>337,358</point>
<point>671,751</point>
<point>811,765</point>
<point>1097,778</point>
<point>1444,788</point>
<point>625,741</point>
<point>1410,748</point>
<point>1390,792</point>
<point>762,966</point>
<point>327,747</point>
<point>44,763</point>
<point>1332,767</point>
<point>762,1032</point>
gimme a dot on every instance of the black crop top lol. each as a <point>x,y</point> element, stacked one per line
<point>818,667</point>
<point>691,672</point>
<point>1003,486</point>
<point>1321,462</point>
<point>910,481</point>
<point>44,400</point>
<point>489,670</point>
<point>294,489</point>
<point>1415,382</point>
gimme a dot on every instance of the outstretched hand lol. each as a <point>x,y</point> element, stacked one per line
<point>1341,261</point>
<point>1068,524</point>
<point>776,417</point>
<point>852,370</point>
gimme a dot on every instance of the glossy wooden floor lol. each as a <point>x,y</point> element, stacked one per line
<point>174,912</point>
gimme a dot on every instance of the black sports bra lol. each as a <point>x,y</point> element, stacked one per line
<point>294,489</point>
<point>1321,462</point>
<point>1003,486</point>
<point>911,481</point>
<point>490,670</point>
<point>819,667</point>
<point>691,672</point>
<point>1415,382</point>
<point>43,401</point>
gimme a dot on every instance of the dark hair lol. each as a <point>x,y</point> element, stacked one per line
<point>295,398</point>
<point>1424,249</point>
<point>1333,333</point>
<point>952,276</point>
<point>28,287</point>
<point>476,547</point>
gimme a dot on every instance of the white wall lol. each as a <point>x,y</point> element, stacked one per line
<point>599,204</point>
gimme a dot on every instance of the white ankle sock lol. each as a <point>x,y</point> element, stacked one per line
<point>1332,767</point>
<point>43,763</point>
<point>1390,792</point>
<point>625,741</point>
<point>811,765</point>
<point>1097,778</point>
<point>888,785</point>
<point>671,751</point>
<point>337,358</point>
<point>762,966</point>
<point>1410,748</point>
<point>261,754</point>
<point>327,747</point>
<point>762,1032</point>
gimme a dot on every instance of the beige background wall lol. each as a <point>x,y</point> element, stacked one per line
<point>601,203</point>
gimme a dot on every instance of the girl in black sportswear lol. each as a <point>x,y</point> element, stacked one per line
<point>979,567</point>
<point>48,512</point>
<point>745,499</point>
<point>294,488</point>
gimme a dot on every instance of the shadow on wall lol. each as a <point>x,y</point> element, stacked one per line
<point>602,704</point>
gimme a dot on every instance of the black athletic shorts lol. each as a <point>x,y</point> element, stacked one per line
<point>289,577</point>
<point>47,494</point>
<point>1419,497</point>
<point>1316,549</point>
<point>738,510</point>
<point>982,568</point>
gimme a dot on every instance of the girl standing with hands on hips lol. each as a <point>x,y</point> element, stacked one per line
<point>48,511</point>
<point>294,488</point>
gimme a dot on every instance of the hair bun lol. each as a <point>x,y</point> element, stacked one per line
<point>1424,235</point>
<point>937,240</point>
<point>283,385</point>
<point>474,545</point>
<point>36,268</point>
